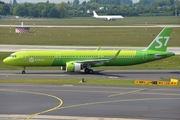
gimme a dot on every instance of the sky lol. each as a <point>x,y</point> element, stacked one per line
<point>51,1</point>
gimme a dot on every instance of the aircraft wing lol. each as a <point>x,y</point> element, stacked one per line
<point>92,62</point>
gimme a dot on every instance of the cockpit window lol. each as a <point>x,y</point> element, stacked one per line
<point>13,56</point>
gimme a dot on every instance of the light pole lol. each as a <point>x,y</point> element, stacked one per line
<point>176,2</point>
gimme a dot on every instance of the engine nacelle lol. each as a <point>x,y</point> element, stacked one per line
<point>73,67</point>
<point>108,19</point>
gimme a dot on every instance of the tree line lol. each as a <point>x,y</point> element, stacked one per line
<point>76,9</point>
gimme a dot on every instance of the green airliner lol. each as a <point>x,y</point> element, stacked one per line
<point>77,60</point>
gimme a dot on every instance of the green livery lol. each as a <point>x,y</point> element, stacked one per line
<point>76,60</point>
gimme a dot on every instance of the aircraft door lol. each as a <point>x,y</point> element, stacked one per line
<point>23,57</point>
<point>144,56</point>
<point>58,56</point>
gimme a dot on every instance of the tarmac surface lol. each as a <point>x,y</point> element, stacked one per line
<point>87,102</point>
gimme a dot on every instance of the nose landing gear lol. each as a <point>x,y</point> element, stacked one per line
<point>23,71</point>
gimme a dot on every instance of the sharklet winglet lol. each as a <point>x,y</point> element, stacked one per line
<point>98,48</point>
<point>115,56</point>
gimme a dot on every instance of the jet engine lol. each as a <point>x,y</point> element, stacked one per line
<point>73,67</point>
<point>108,19</point>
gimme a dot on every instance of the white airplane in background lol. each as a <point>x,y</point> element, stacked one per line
<point>108,17</point>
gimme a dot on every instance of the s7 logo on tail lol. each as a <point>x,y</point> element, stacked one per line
<point>166,38</point>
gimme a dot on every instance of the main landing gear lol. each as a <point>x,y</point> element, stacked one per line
<point>88,71</point>
<point>23,71</point>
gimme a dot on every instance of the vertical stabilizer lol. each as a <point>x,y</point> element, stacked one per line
<point>161,41</point>
<point>95,14</point>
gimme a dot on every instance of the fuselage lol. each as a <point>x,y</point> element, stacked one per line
<point>107,17</point>
<point>110,17</point>
<point>60,58</point>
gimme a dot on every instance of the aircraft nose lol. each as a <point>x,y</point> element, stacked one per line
<point>6,61</point>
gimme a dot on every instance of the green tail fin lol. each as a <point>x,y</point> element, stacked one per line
<point>161,41</point>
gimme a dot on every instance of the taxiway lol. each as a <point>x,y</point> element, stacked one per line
<point>74,102</point>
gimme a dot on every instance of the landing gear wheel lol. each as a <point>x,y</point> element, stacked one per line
<point>23,72</point>
<point>88,71</point>
<point>91,71</point>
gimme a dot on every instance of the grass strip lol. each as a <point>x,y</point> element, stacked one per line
<point>90,21</point>
<point>127,36</point>
<point>89,81</point>
<point>71,81</point>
